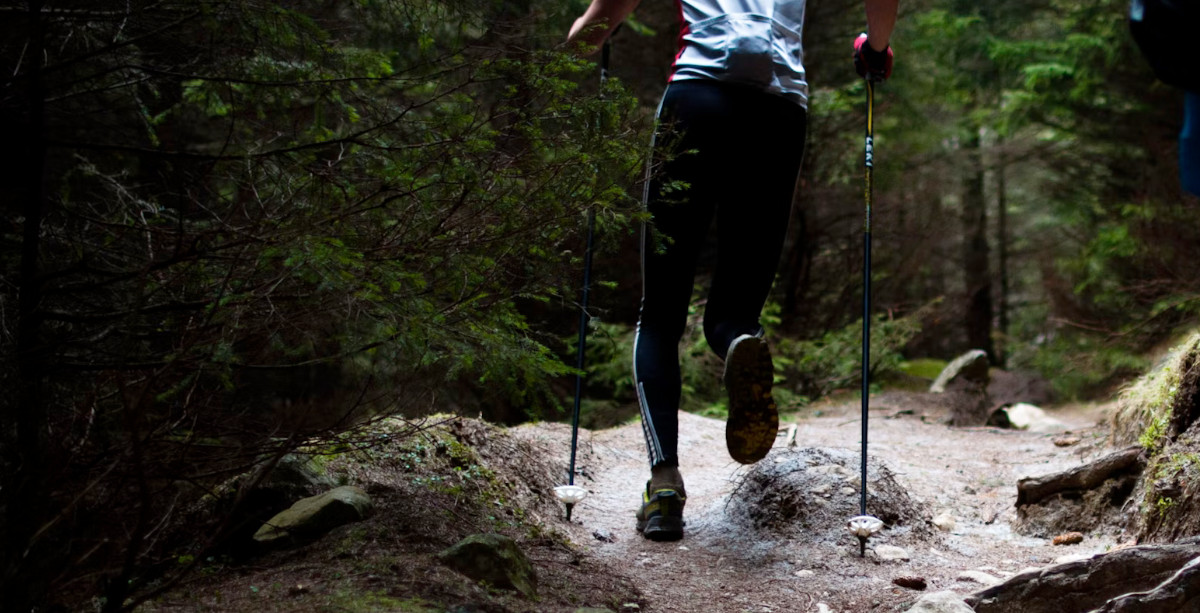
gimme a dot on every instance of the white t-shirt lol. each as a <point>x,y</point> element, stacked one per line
<point>756,42</point>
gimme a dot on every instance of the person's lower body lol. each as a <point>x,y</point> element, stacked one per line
<point>724,142</point>
<point>1189,144</point>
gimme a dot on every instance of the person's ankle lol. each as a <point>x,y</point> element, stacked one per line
<point>666,477</point>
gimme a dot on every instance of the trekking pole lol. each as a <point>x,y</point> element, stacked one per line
<point>864,526</point>
<point>570,493</point>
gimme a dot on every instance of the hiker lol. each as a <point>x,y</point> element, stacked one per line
<point>1162,30</point>
<point>736,107</point>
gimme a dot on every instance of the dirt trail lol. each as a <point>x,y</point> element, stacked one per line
<point>725,565</point>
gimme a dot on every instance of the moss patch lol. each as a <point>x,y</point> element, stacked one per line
<point>1159,411</point>
<point>1146,406</point>
<point>925,368</point>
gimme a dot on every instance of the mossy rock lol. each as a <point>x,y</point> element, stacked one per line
<point>312,517</point>
<point>925,368</point>
<point>494,559</point>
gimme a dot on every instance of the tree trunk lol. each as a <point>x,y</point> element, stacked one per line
<point>978,280</point>
<point>796,269</point>
<point>1002,246</point>
<point>24,417</point>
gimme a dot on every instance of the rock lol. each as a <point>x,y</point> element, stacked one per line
<point>604,536</point>
<point>805,573</point>
<point>835,470</point>
<point>1070,538</point>
<point>1065,440</point>
<point>1086,585</point>
<point>1181,592</point>
<point>944,522</point>
<point>593,610</point>
<point>912,583</point>
<point>890,553</point>
<point>778,499</point>
<point>312,517</point>
<point>971,366</point>
<point>493,558</point>
<point>978,576</point>
<point>940,602</point>
<point>965,385</point>
<point>298,474</point>
<point>823,608</point>
<point>1023,416</point>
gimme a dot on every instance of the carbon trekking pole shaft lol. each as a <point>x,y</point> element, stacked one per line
<point>869,163</point>
<point>583,307</point>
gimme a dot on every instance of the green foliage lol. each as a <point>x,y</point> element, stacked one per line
<point>804,369</point>
<point>609,365</point>
<point>923,368</point>
<point>1079,364</point>
<point>293,216</point>
<point>814,368</point>
<point>1163,506</point>
<point>1154,436</point>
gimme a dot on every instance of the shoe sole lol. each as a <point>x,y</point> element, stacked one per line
<point>662,528</point>
<point>753,420</point>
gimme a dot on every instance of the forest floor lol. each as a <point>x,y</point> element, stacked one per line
<point>728,564</point>
<point>733,558</point>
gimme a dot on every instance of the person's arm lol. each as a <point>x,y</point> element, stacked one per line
<point>881,18</point>
<point>598,22</point>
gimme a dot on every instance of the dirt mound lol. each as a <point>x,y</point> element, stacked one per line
<point>431,487</point>
<point>812,492</point>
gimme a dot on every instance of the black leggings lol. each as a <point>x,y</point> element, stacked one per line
<point>739,150</point>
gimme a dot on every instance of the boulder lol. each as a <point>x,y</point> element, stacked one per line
<point>312,517</point>
<point>493,558</point>
<point>1024,416</point>
<point>940,602</point>
<point>971,366</point>
<point>297,476</point>
<point>1086,585</point>
<point>890,553</point>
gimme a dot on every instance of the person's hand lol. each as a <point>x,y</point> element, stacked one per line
<point>870,64</point>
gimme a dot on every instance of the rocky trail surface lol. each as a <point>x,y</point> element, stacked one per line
<point>772,537</point>
<point>767,538</point>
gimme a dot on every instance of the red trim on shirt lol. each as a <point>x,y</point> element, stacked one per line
<point>683,31</point>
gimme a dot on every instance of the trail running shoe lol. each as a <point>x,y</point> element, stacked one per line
<point>661,516</point>
<point>753,419</point>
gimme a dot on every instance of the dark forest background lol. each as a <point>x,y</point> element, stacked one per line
<point>231,227</point>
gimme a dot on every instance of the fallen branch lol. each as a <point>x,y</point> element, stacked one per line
<point>1035,489</point>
